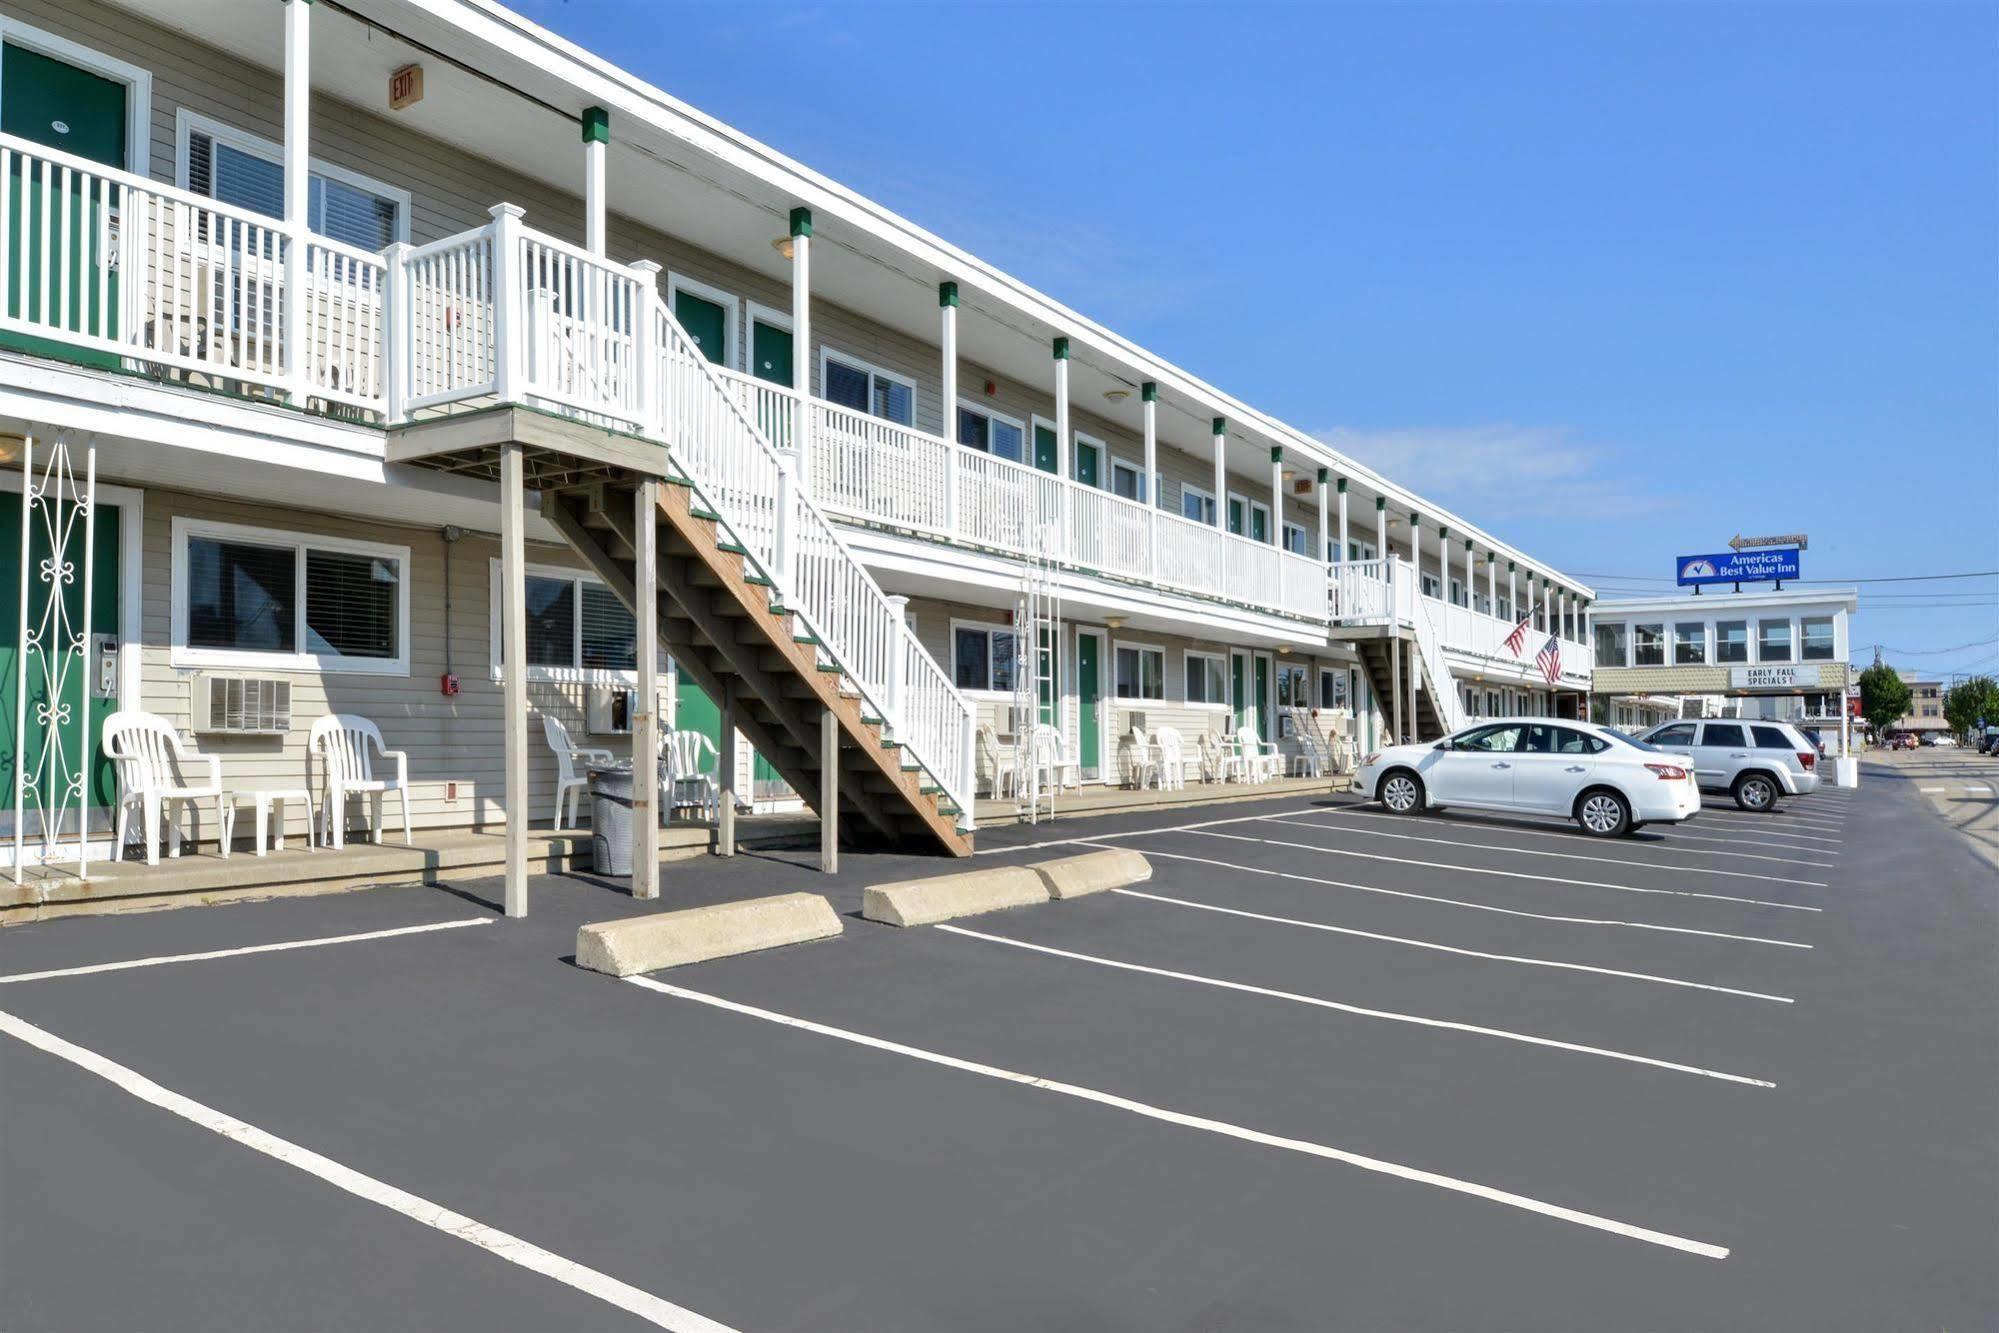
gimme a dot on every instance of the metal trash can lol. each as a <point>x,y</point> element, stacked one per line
<point>611,820</point>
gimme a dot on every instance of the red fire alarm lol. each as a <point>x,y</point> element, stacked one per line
<point>991,388</point>
<point>448,683</point>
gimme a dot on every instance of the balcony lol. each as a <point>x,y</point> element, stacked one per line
<point>1382,593</point>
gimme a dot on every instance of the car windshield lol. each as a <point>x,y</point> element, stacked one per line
<point>1631,741</point>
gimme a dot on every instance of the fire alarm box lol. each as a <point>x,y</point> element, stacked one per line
<point>448,684</point>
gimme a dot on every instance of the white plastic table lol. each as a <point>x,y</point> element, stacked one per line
<point>263,799</point>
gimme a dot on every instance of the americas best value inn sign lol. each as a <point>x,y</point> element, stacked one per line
<point>1752,566</point>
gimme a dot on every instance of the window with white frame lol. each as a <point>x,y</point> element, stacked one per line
<point>234,167</point>
<point>1297,540</point>
<point>1128,480</point>
<point>1292,691</point>
<point>983,657</point>
<point>260,597</point>
<point>858,386</point>
<point>577,629</point>
<point>1197,504</point>
<point>990,433</point>
<point>1432,588</point>
<point>1332,688</point>
<point>1815,639</point>
<point>1690,643</point>
<point>1140,671</point>
<point>1207,679</point>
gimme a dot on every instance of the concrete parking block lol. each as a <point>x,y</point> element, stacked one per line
<point>923,902</point>
<point>637,944</point>
<point>1093,872</point>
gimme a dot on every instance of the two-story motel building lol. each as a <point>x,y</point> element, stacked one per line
<point>338,358</point>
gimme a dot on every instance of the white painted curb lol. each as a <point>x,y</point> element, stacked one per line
<point>923,902</point>
<point>637,944</point>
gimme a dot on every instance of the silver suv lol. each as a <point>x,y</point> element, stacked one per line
<point>1753,761</point>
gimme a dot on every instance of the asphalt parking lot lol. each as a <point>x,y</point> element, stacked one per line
<point>1327,1069</point>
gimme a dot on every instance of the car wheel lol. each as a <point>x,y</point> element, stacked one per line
<point>1402,792</point>
<point>1603,814</point>
<point>1755,793</point>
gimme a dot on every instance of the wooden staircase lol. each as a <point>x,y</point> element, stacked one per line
<point>720,621</point>
<point>1375,662</point>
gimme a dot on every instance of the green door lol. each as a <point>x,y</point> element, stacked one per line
<point>1044,449</point>
<point>1089,691</point>
<point>68,710</point>
<point>1238,686</point>
<point>61,106</point>
<point>1259,525</point>
<point>1265,723</point>
<point>706,323</point>
<point>1235,515</point>
<point>693,710</point>
<point>770,359</point>
<point>1089,464</point>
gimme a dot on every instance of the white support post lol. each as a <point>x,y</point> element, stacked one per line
<point>786,501</point>
<point>297,184</point>
<point>513,667</point>
<point>968,773</point>
<point>1325,516</point>
<point>1512,593</point>
<point>947,316</point>
<point>727,776</point>
<point>1381,526</point>
<point>1416,558</point>
<point>801,341</point>
<point>829,792</point>
<point>1341,554</point>
<point>645,725</point>
<point>645,343</point>
<point>596,141</point>
<point>396,333</point>
<point>898,608</point>
<point>1492,582</point>
<point>1063,445</point>
<point>1221,439</point>
<point>509,305</point>
<point>1277,496</point>
<point>1471,587</point>
<point>1148,394</point>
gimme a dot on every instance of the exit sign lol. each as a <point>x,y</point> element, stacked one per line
<point>405,87</point>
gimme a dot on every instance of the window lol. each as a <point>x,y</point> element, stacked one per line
<point>233,167</point>
<point>576,627</point>
<point>1815,639</point>
<point>1292,690</point>
<point>1613,644</point>
<point>1432,588</point>
<point>862,388</point>
<point>1731,641</point>
<point>991,433</point>
<point>1648,644</point>
<point>982,657</point>
<point>1690,644</point>
<point>1543,739</point>
<point>261,598</point>
<point>1207,679</point>
<point>1297,540</point>
<point>1682,734</point>
<point>1773,640</point>
<point>1506,609</point>
<point>1197,504</point>
<point>1772,738</point>
<point>1141,672</point>
<point>1128,480</point>
<point>1724,733</point>
<point>1490,740</point>
<point>1457,593</point>
<point>1332,688</point>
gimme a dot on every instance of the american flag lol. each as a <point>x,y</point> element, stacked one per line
<point>1519,634</point>
<point>1549,659</point>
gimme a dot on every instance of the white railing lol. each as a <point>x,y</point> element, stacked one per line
<point>444,348</point>
<point>1438,681</point>
<point>346,299</point>
<point>863,465</point>
<point>1361,592</point>
<point>581,335</point>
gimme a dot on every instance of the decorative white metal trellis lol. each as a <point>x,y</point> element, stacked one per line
<point>52,656</point>
<point>1037,640</point>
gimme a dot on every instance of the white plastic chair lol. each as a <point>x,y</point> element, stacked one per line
<point>1005,769</point>
<point>1058,764</point>
<point>1261,760</point>
<point>571,767</point>
<point>1172,759</point>
<point>151,762</point>
<point>1219,760</point>
<point>348,745</point>
<point>1313,757</point>
<point>687,784</point>
<point>1139,763</point>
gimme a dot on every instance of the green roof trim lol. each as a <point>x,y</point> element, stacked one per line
<point>1325,475</point>
<point>1380,503</point>
<point>1062,349</point>
<point>1221,425</point>
<point>1467,543</point>
<point>596,125</point>
<point>1149,392</point>
<point>1343,485</point>
<point>801,221</point>
<point>947,293</point>
<point>1277,453</point>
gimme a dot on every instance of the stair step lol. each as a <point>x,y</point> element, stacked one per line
<point>732,548</point>
<point>756,580</point>
<point>707,514</point>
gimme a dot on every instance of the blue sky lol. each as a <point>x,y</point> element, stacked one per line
<point>1615,281</point>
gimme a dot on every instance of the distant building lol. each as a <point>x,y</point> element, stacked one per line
<point>1925,704</point>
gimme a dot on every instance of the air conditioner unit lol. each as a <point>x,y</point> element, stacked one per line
<point>242,705</point>
<point>607,711</point>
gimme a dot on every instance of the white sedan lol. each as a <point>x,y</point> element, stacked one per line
<point>1605,781</point>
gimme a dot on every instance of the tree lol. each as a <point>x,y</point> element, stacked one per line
<point>1884,697</point>
<point>1969,701</point>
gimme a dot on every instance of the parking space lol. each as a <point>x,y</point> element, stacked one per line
<point>1327,1068</point>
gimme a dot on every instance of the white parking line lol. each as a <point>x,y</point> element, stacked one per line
<point>1932,789</point>
<point>1745,836</point>
<point>651,1308</point>
<point>1129,833</point>
<point>1344,827</point>
<point>1460,902</point>
<point>1361,1011</point>
<point>1451,948</point>
<point>87,969</point>
<point>1678,836</point>
<point>1503,830</point>
<point>1510,874</point>
<point>1222,1127</point>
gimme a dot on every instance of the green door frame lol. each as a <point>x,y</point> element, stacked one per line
<point>1090,703</point>
<point>1089,462</point>
<point>1045,451</point>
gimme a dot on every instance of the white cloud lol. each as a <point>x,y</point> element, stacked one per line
<point>1504,471</point>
